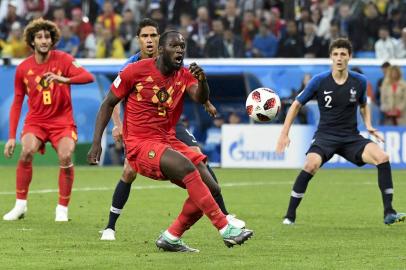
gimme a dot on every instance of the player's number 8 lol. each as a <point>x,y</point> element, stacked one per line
<point>46,97</point>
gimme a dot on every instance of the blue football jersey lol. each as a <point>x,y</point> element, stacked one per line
<point>337,104</point>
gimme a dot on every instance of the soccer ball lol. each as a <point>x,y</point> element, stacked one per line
<point>263,104</point>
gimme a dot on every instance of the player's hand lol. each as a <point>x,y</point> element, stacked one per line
<point>197,72</point>
<point>374,132</point>
<point>9,148</point>
<point>282,143</point>
<point>210,109</point>
<point>93,156</point>
<point>117,133</point>
<point>50,77</point>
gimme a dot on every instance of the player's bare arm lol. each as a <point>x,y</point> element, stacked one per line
<point>284,140</point>
<point>210,108</point>
<point>200,92</point>
<point>102,119</point>
<point>366,116</point>
<point>117,130</point>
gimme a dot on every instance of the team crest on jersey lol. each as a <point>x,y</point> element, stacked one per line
<point>117,82</point>
<point>162,95</point>
<point>353,95</point>
<point>151,154</point>
<point>44,83</point>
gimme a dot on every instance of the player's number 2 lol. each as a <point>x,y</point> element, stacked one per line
<point>328,100</point>
<point>46,97</point>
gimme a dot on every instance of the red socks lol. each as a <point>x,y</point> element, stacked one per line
<point>24,176</point>
<point>200,200</point>
<point>66,175</point>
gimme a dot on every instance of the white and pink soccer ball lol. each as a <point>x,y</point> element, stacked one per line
<point>263,104</point>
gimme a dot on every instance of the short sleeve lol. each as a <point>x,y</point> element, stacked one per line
<point>309,92</point>
<point>363,97</point>
<point>123,83</point>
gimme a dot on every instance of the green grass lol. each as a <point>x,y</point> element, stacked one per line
<point>339,224</point>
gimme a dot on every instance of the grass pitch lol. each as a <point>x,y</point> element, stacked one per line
<point>339,223</point>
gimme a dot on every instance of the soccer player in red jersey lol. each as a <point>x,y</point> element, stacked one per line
<point>45,77</point>
<point>148,38</point>
<point>153,91</point>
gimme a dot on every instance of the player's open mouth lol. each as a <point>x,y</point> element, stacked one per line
<point>179,59</point>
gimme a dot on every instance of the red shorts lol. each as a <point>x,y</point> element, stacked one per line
<point>47,133</point>
<point>144,155</point>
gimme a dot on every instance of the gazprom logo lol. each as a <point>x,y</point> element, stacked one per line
<point>238,152</point>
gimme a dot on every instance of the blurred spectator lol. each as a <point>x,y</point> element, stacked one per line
<point>255,6</point>
<point>385,47</point>
<point>212,146</point>
<point>265,43</point>
<point>158,15</point>
<point>231,17</point>
<point>186,22</point>
<point>396,22</point>
<point>303,18</point>
<point>225,46</point>
<point>35,8</point>
<point>10,18</point>
<point>109,19</point>
<point>17,4</point>
<point>393,97</point>
<point>321,23</point>
<point>372,22</point>
<point>138,7</point>
<point>312,43</point>
<point>384,69</point>
<point>90,46</point>
<point>250,27</point>
<point>234,118</point>
<point>291,45</point>
<point>344,18</point>
<point>128,29</point>
<point>276,24</point>
<point>178,7</point>
<point>401,45</point>
<point>80,27</point>
<point>69,42</point>
<point>192,49</point>
<point>109,46</point>
<point>201,27</point>
<point>15,45</point>
<point>59,17</point>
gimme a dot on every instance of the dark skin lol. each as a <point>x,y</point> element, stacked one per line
<point>173,164</point>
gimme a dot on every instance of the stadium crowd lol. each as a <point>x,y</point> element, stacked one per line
<point>214,29</point>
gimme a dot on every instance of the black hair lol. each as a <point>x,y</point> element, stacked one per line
<point>147,22</point>
<point>340,43</point>
<point>164,37</point>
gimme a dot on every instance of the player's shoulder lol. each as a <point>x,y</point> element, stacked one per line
<point>357,76</point>
<point>322,75</point>
<point>60,54</point>
<point>26,63</point>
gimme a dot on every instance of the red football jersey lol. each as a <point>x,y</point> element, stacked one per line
<point>47,103</point>
<point>153,102</point>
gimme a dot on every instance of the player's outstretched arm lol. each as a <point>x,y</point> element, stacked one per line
<point>366,117</point>
<point>200,92</point>
<point>117,131</point>
<point>102,118</point>
<point>284,140</point>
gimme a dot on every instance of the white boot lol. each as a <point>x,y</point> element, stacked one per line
<point>238,223</point>
<point>17,212</point>
<point>108,234</point>
<point>61,213</point>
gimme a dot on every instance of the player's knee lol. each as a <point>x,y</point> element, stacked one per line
<point>128,175</point>
<point>311,167</point>
<point>382,158</point>
<point>27,154</point>
<point>65,158</point>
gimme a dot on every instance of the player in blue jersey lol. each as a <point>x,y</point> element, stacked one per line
<point>148,37</point>
<point>339,92</point>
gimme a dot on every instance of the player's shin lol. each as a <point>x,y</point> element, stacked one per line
<point>298,191</point>
<point>120,197</point>
<point>386,186</point>
<point>24,176</point>
<point>200,195</point>
<point>66,176</point>
<point>218,197</point>
<point>189,215</point>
